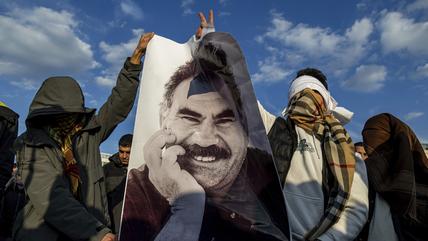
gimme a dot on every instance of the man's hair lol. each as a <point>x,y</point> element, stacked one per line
<point>201,67</point>
<point>126,140</point>
<point>183,72</point>
<point>316,73</point>
<point>359,144</point>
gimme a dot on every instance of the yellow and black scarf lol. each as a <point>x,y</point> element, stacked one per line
<point>65,128</point>
<point>306,111</point>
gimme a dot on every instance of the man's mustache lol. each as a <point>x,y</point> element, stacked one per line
<point>209,151</point>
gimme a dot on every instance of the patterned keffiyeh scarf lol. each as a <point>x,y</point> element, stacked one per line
<point>307,112</point>
<point>66,126</point>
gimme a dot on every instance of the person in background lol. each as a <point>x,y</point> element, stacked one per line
<point>323,183</point>
<point>59,158</point>
<point>115,175</point>
<point>397,168</point>
<point>8,134</point>
<point>360,151</point>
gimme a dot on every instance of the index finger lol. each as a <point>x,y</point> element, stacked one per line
<point>203,19</point>
<point>155,144</point>
<point>211,18</point>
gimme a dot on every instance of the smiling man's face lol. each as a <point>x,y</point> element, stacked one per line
<point>207,125</point>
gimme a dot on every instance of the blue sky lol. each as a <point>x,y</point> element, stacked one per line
<point>374,53</point>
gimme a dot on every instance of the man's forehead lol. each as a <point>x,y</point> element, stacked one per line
<point>192,91</point>
<point>201,85</point>
<point>359,148</point>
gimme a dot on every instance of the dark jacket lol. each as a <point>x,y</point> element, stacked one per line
<point>13,200</point>
<point>283,142</point>
<point>8,133</point>
<point>398,171</point>
<point>115,174</point>
<point>254,209</point>
<point>52,213</point>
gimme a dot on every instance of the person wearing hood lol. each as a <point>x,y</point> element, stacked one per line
<point>59,158</point>
<point>324,185</point>
<point>398,173</point>
<point>115,174</point>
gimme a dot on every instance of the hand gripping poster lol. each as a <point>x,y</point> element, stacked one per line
<point>201,167</point>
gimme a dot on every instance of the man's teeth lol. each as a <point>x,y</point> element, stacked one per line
<point>205,158</point>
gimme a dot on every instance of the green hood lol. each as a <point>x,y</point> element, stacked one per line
<point>58,95</point>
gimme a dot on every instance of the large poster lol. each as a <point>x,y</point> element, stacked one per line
<point>201,167</point>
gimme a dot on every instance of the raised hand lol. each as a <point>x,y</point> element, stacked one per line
<point>204,25</point>
<point>161,154</point>
<point>140,50</point>
<point>109,237</point>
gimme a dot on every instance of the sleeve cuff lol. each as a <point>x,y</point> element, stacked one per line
<point>100,235</point>
<point>132,67</point>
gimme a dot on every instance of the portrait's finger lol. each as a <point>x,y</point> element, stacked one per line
<point>160,138</point>
<point>170,155</point>
<point>154,146</point>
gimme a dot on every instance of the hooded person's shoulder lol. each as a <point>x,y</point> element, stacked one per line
<point>8,114</point>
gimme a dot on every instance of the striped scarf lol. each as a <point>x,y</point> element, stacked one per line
<point>66,126</point>
<point>306,111</point>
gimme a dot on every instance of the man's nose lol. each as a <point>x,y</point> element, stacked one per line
<point>206,135</point>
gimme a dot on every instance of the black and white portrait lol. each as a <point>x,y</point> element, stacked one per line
<point>201,168</point>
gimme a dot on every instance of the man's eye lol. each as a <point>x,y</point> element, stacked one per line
<point>190,119</point>
<point>224,121</point>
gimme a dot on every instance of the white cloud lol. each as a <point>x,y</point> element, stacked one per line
<point>93,102</point>
<point>42,41</point>
<point>361,6</point>
<point>399,33</point>
<point>413,115</point>
<point>270,70</point>
<point>26,84</point>
<point>335,51</point>
<point>114,55</point>
<point>187,5</point>
<point>422,70</point>
<point>367,78</point>
<point>360,31</point>
<point>316,41</point>
<point>223,14</point>
<point>132,9</point>
<point>107,80</point>
<point>418,5</point>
